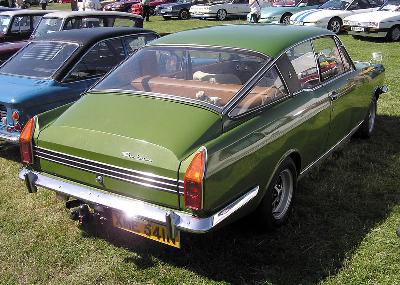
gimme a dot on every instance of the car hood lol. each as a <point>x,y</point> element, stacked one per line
<point>314,15</point>
<point>17,90</point>
<point>139,133</point>
<point>376,16</point>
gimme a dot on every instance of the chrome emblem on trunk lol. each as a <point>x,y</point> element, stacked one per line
<point>138,157</point>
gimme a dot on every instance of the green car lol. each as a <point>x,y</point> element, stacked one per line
<point>201,127</point>
<point>281,11</point>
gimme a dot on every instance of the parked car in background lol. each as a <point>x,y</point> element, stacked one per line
<point>331,14</point>
<point>68,20</point>
<point>16,27</point>
<point>284,10</point>
<point>56,68</point>
<point>137,8</point>
<point>122,6</point>
<point>89,5</point>
<point>221,10</point>
<point>179,10</point>
<point>215,126</point>
<point>57,21</point>
<point>384,23</point>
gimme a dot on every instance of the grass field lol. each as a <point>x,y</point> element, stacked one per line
<point>342,230</point>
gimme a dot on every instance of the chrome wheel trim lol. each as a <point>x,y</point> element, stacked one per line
<point>335,26</point>
<point>395,34</point>
<point>221,14</point>
<point>371,118</point>
<point>282,193</point>
<point>286,20</point>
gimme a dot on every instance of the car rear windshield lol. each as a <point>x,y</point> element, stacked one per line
<point>39,59</point>
<point>4,23</point>
<point>212,75</point>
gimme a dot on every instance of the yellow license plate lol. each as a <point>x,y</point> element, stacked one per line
<point>146,229</point>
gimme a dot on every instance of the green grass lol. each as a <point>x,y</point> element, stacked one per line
<point>342,230</point>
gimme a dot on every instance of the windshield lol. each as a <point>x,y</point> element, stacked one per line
<point>47,25</point>
<point>211,75</point>
<point>39,59</point>
<point>336,4</point>
<point>391,5</point>
<point>4,23</point>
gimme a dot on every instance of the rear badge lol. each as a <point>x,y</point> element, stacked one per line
<point>138,157</point>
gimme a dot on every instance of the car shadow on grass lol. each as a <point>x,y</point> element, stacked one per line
<point>10,152</point>
<point>337,205</point>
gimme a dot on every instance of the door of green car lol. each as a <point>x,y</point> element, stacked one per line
<point>335,73</point>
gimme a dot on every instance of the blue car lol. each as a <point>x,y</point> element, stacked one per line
<point>57,68</point>
<point>179,10</point>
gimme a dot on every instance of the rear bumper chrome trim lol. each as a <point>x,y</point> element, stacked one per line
<point>135,208</point>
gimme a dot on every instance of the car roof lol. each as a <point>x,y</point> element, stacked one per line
<point>26,12</point>
<point>267,39</point>
<point>67,14</point>
<point>90,35</point>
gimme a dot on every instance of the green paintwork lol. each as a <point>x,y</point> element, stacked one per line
<point>102,126</point>
<point>242,152</point>
<point>270,40</point>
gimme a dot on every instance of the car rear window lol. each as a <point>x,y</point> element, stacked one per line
<point>47,26</point>
<point>211,75</point>
<point>39,59</point>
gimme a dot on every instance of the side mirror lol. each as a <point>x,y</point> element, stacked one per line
<point>302,4</point>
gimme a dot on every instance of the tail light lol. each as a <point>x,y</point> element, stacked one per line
<point>25,141</point>
<point>15,116</point>
<point>193,181</point>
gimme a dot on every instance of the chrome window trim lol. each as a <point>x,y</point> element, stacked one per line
<point>41,78</point>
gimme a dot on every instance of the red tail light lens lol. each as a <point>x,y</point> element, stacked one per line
<point>15,116</point>
<point>25,142</point>
<point>193,181</point>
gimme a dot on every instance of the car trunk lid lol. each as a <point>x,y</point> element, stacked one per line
<point>128,144</point>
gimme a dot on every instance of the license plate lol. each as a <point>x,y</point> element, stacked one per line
<point>146,229</point>
<point>358,29</point>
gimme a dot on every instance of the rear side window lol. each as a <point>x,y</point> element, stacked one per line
<point>100,59</point>
<point>303,61</point>
<point>269,89</point>
<point>21,24</point>
<point>328,57</point>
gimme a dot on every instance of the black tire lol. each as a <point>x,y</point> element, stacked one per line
<point>335,25</point>
<point>152,12</point>
<point>394,34</point>
<point>167,18</point>
<point>221,15</point>
<point>268,211</point>
<point>184,14</point>
<point>367,127</point>
<point>285,19</point>
<point>398,232</point>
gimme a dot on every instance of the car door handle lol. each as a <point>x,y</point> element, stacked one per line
<point>334,95</point>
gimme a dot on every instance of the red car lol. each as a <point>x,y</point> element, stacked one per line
<point>137,8</point>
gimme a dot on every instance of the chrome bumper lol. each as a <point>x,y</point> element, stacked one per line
<point>12,137</point>
<point>135,208</point>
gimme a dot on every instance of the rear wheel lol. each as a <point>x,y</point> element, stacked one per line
<point>335,25</point>
<point>184,14</point>
<point>152,12</point>
<point>277,203</point>
<point>368,125</point>
<point>394,34</point>
<point>221,15</point>
<point>286,19</point>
